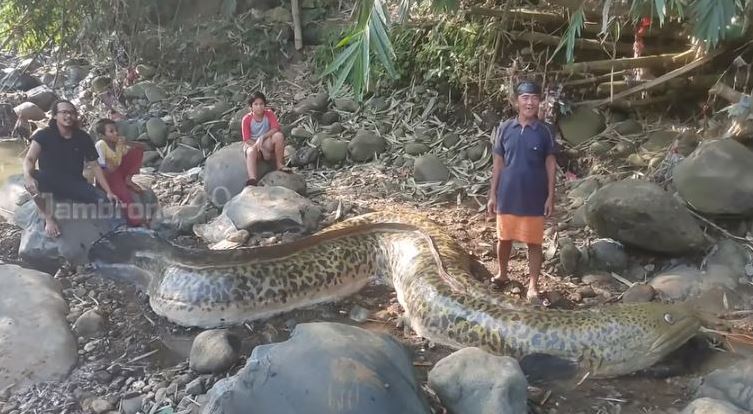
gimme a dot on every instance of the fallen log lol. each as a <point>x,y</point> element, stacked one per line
<point>659,61</point>
<point>723,91</point>
<point>536,37</point>
<point>593,79</point>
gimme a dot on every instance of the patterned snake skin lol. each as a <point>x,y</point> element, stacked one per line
<point>429,271</point>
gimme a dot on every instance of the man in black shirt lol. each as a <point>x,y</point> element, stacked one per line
<point>62,149</point>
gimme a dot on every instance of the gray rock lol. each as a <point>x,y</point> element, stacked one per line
<point>450,139</point>
<point>131,405</point>
<point>733,384</point>
<point>628,127</point>
<point>135,91</point>
<point>582,124</point>
<point>471,381</point>
<point>225,173</point>
<point>195,387</point>
<point>180,159</point>
<point>731,254</point>
<point>29,111</point>
<point>33,308</point>
<point>570,257</point>
<point>717,178</point>
<point>151,159</point>
<point>711,406</point>
<point>301,133</point>
<point>580,219</point>
<point>128,129</point>
<point>13,195</point>
<point>80,226</point>
<point>306,155</point>
<point>154,93</point>
<point>329,118</point>
<point>334,150</point>
<point>42,96</point>
<point>15,79</point>
<point>608,255</point>
<point>683,282</point>
<point>430,168</point>
<point>354,370</point>
<point>641,214</point>
<point>416,148</point>
<point>214,351</point>
<point>659,141</point>
<point>235,123</point>
<point>290,181</point>
<point>89,325</point>
<point>100,406</point>
<point>206,113</point>
<point>584,188</point>
<point>477,151</point>
<point>156,129</point>
<point>259,209</point>
<point>346,105</point>
<point>638,293</point>
<point>365,145</point>
<point>317,103</point>
<point>334,129</point>
<point>175,220</point>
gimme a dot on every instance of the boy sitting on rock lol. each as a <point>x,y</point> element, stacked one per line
<point>120,161</point>
<point>261,137</point>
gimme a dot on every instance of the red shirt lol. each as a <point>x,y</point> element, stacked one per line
<point>253,129</point>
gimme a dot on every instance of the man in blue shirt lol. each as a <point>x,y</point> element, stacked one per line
<point>522,185</point>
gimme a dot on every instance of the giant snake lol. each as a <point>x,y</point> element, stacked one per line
<point>429,271</point>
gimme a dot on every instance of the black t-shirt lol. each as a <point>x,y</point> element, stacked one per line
<point>64,156</point>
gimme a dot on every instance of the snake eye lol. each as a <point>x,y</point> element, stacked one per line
<point>669,318</point>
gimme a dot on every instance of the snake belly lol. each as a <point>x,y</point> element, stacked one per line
<point>429,271</point>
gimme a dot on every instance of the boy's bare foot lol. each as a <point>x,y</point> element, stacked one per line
<point>533,296</point>
<point>500,280</point>
<point>51,228</point>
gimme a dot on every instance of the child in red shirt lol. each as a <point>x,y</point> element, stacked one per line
<point>261,137</point>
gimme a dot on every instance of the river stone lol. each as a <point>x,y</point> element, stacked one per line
<point>235,123</point>
<point>42,96</point>
<point>225,173</point>
<point>450,139</point>
<point>259,209</point>
<point>329,118</point>
<point>154,93</point>
<point>641,214</point>
<point>180,159</point>
<point>570,257</point>
<point>206,113</point>
<point>214,351</point>
<point>416,148</point>
<point>306,155</point>
<point>89,325</point>
<point>473,381</point>
<point>29,111</point>
<point>316,103</point>
<point>175,220</point>
<point>334,150</point>
<point>156,129</point>
<point>128,129</point>
<point>8,119</point>
<point>711,406</point>
<point>346,105</point>
<point>354,371</point>
<point>608,255</point>
<point>638,293</point>
<point>13,195</point>
<point>334,129</point>
<point>300,133</point>
<point>733,384</point>
<point>365,144</point>
<point>146,71</point>
<point>582,124</point>
<point>15,79</point>
<point>717,178</point>
<point>430,168</point>
<point>659,141</point>
<point>628,127</point>
<point>295,182</point>
<point>477,151</point>
<point>731,254</point>
<point>79,227</point>
<point>31,308</point>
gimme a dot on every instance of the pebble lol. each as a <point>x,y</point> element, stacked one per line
<point>638,293</point>
<point>359,314</point>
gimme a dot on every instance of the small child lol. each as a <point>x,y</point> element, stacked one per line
<point>262,137</point>
<point>120,160</point>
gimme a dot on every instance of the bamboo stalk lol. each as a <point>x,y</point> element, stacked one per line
<point>298,38</point>
<point>536,37</point>
<point>664,60</point>
<point>723,91</point>
<point>694,82</point>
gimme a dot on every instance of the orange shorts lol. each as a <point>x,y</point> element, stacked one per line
<point>524,229</point>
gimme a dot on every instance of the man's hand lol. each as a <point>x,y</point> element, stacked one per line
<point>32,186</point>
<point>491,205</point>
<point>549,206</point>
<point>112,197</point>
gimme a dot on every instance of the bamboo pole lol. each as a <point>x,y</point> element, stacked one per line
<point>664,60</point>
<point>298,38</point>
<point>536,37</point>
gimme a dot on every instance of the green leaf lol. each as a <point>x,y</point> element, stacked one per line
<point>577,20</point>
<point>445,5</point>
<point>342,57</point>
<point>661,10</point>
<point>711,17</point>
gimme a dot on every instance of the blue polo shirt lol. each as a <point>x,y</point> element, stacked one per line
<point>522,189</point>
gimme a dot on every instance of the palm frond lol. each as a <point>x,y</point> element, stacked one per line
<point>711,18</point>
<point>576,23</point>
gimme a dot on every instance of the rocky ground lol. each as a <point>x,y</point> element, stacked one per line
<point>609,241</point>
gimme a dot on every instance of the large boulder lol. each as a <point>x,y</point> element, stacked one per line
<point>733,384</point>
<point>353,371</point>
<point>259,209</point>
<point>475,382</point>
<point>365,145</point>
<point>180,159</point>
<point>80,226</point>
<point>711,406</point>
<point>717,178</point>
<point>225,173</point>
<point>641,214</point>
<point>31,308</point>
